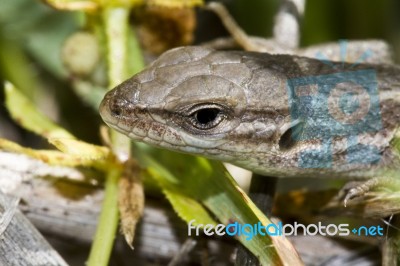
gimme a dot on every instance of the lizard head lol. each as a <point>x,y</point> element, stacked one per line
<point>197,100</point>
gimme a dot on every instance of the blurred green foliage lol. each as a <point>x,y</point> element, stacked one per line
<point>36,31</point>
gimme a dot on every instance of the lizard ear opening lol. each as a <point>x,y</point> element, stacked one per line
<point>290,136</point>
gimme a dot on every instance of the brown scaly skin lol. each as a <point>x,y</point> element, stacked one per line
<point>234,106</point>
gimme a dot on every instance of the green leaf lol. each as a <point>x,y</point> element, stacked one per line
<point>73,5</point>
<point>52,157</point>
<point>395,142</point>
<point>175,3</point>
<point>26,114</point>
<point>81,149</point>
<point>188,209</point>
<point>74,152</point>
<point>210,185</point>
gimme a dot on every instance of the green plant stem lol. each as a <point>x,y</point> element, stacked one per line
<point>108,222</point>
<point>116,28</point>
<point>115,21</point>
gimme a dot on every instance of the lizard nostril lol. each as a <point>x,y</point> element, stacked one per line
<point>116,107</point>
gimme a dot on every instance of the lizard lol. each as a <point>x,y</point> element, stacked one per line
<point>235,106</point>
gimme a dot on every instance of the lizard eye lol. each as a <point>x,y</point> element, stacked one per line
<point>206,116</point>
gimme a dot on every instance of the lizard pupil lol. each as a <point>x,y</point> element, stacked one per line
<point>206,115</point>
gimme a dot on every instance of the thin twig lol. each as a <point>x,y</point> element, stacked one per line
<point>185,249</point>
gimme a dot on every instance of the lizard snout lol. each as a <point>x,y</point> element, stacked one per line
<point>119,101</point>
<point>111,107</point>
